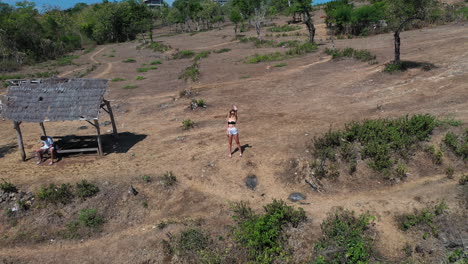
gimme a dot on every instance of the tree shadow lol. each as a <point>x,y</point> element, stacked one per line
<point>406,65</point>
<point>6,149</point>
<point>122,144</point>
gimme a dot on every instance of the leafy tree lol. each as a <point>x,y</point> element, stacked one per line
<point>236,18</point>
<point>402,12</point>
<point>304,6</point>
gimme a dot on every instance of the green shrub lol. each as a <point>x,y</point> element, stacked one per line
<point>394,67</point>
<point>142,69</point>
<point>346,238</point>
<point>284,28</point>
<point>140,78</point>
<point>362,55</point>
<point>118,79</point>
<point>436,156</point>
<point>8,187</point>
<point>463,179</point>
<point>449,172</point>
<point>55,194</point>
<point>222,50</point>
<point>425,217</point>
<point>192,72</point>
<point>199,103</point>
<point>257,58</point>
<point>168,179</point>
<point>202,55</point>
<point>130,87</point>
<point>146,178</point>
<point>65,60</point>
<point>279,65</point>
<point>156,62</point>
<point>458,144</point>
<point>188,124</point>
<point>129,60</point>
<point>458,253</point>
<point>158,47</point>
<point>153,67</point>
<point>302,49</point>
<point>380,139</point>
<point>288,44</point>
<point>401,171</point>
<point>183,54</point>
<point>90,218</point>
<point>84,189</point>
<point>261,234</point>
<point>191,240</point>
<point>449,122</point>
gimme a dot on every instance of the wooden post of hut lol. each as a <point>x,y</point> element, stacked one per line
<point>52,100</point>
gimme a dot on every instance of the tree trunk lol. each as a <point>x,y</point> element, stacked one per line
<point>235,30</point>
<point>310,27</point>
<point>397,47</point>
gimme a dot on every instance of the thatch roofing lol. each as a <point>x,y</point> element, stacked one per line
<point>55,100</point>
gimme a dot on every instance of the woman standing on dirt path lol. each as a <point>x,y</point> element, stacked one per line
<point>231,130</point>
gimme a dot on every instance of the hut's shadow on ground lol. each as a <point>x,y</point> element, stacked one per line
<point>6,149</point>
<point>110,144</point>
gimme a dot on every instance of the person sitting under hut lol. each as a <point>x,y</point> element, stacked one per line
<point>47,147</point>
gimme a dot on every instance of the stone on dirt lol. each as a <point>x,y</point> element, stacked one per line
<point>294,197</point>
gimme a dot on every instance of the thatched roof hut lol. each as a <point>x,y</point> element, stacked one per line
<point>37,101</point>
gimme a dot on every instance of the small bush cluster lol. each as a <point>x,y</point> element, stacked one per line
<point>377,140</point>
<point>183,54</point>
<point>65,193</point>
<point>346,238</point>
<point>8,187</point>
<point>261,234</point>
<point>458,144</point>
<point>158,47</point>
<point>130,87</point>
<point>191,240</point>
<point>284,28</point>
<point>394,67</point>
<point>192,72</point>
<point>300,49</point>
<point>155,62</point>
<point>168,179</point>
<point>362,55</point>
<point>88,219</point>
<point>463,179</point>
<point>129,60</point>
<point>279,65</point>
<point>202,55</point>
<point>65,60</point>
<point>436,155</point>
<point>223,50</point>
<point>187,124</point>
<point>140,78</point>
<point>118,79</point>
<point>425,217</point>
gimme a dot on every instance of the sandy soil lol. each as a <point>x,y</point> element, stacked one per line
<point>280,111</point>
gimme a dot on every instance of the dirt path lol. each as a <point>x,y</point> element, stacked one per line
<point>217,45</point>
<point>92,58</point>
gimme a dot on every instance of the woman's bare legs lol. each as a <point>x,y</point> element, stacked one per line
<point>236,137</point>
<point>230,145</point>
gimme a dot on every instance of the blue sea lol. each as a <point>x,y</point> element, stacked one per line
<point>64,4</point>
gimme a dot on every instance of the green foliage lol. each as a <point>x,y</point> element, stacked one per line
<point>380,139</point>
<point>223,50</point>
<point>90,218</point>
<point>192,72</point>
<point>129,60</point>
<point>424,218</point>
<point>449,122</point>
<point>8,187</point>
<point>199,103</point>
<point>168,179</point>
<point>156,62</point>
<point>436,156</point>
<point>279,65</point>
<point>345,238</point>
<point>188,124</point>
<point>139,78</point>
<point>457,255</point>
<point>84,189</point>
<point>458,144</point>
<point>202,55</point>
<point>191,240</point>
<point>449,172</point>
<point>158,47</point>
<point>362,55</point>
<point>401,171</point>
<point>302,49</point>
<point>118,79</point>
<point>130,87</point>
<point>183,54</point>
<point>65,60</point>
<point>463,179</point>
<point>143,69</point>
<point>56,194</point>
<point>262,234</point>
<point>257,58</point>
<point>146,178</point>
<point>284,28</point>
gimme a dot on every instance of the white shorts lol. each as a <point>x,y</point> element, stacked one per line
<point>232,131</point>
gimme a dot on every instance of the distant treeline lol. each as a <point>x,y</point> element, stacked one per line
<point>27,36</point>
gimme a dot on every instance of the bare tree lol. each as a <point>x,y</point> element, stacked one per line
<point>258,18</point>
